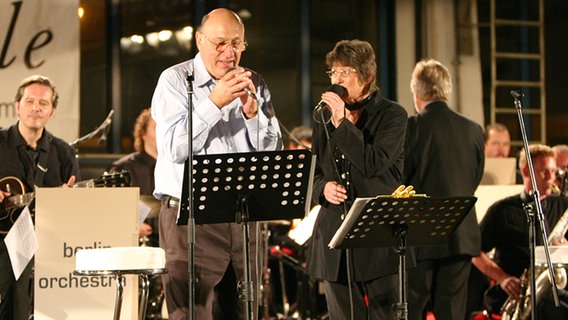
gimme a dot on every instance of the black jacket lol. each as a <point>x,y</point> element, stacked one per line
<point>444,158</point>
<point>373,149</point>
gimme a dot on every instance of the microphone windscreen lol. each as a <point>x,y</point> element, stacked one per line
<point>338,89</point>
<point>230,69</point>
<point>516,94</point>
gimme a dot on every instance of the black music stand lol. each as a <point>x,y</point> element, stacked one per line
<point>252,186</point>
<point>400,222</point>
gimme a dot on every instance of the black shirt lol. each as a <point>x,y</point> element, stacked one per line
<point>16,160</point>
<point>19,160</point>
<point>505,227</point>
<point>141,167</point>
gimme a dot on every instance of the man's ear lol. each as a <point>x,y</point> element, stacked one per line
<point>52,112</point>
<point>198,40</point>
<point>525,171</point>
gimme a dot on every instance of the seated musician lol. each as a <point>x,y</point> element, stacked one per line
<point>34,157</point>
<point>506,230</point>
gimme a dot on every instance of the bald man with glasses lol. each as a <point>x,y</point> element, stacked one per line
<point>232,112</point>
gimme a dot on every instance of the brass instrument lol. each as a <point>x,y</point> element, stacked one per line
<point>555,189</point>
<point>515,309</point>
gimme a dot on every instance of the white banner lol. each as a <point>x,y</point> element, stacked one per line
<point>41,37</point>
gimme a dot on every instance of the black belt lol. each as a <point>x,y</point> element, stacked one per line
<point>171,202</point>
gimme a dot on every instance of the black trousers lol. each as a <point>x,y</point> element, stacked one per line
<point>382,294</point>
<point>15,296</point>
<point>441,282</point>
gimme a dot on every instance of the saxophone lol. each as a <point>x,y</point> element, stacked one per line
<point>516,309</point>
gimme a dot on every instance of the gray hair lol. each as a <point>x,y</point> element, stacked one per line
<point>431,80</point>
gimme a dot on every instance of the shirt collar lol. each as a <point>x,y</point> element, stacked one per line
<point>200,74</point>
<point>43,142</point>
<point>18,139</point>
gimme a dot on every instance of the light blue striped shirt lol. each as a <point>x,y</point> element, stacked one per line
<point>214,130</point>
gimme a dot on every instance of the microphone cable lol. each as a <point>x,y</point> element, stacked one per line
<point>347,251</point>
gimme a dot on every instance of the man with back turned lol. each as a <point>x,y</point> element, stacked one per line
<point>444,158</point>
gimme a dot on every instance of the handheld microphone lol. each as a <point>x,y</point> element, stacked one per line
<point>246,89</point>
<point>250,93</point>
<point>339,90</point>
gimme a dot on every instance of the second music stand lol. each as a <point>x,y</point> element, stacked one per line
<point>401,222</point>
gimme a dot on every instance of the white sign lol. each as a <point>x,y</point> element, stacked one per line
<point>68,220</point>
<point>41,37</point>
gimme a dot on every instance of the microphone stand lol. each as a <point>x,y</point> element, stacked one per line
<point>531,217</point>
<point>564,183</point>
<point>102,127</point>
<point>191,218</point>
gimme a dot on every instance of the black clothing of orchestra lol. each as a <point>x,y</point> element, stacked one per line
<point>141,166</point>
<point>16,160</point>
<point>505,228</point>
<point>19,160</point>
<point>369,156</point>
<point>444,157</point>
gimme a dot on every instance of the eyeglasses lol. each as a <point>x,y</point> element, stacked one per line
<point>237,45</point>
<point>342,73</point>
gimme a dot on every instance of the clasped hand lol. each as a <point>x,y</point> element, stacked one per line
<point>334,193</point>
<point>231,86</point>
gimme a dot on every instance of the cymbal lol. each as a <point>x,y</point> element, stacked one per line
<point>153,203</point>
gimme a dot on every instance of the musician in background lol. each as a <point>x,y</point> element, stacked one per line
<point>300,138</point>
<point>561,154</point>
<point>140,164</point>
<point>37,158</point>
<point>505,229</point>
<point>497,141</point>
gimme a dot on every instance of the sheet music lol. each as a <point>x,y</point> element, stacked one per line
<point>21,242</point>
<point>429,221</point>
<point>349,220</point>
<point>143,211</point>
<point>304,230</point>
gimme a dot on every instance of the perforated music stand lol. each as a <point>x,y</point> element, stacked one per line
<point>401,222</point>
<point>243,187</point>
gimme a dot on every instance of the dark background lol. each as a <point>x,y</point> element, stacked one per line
<point>288,40</point>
